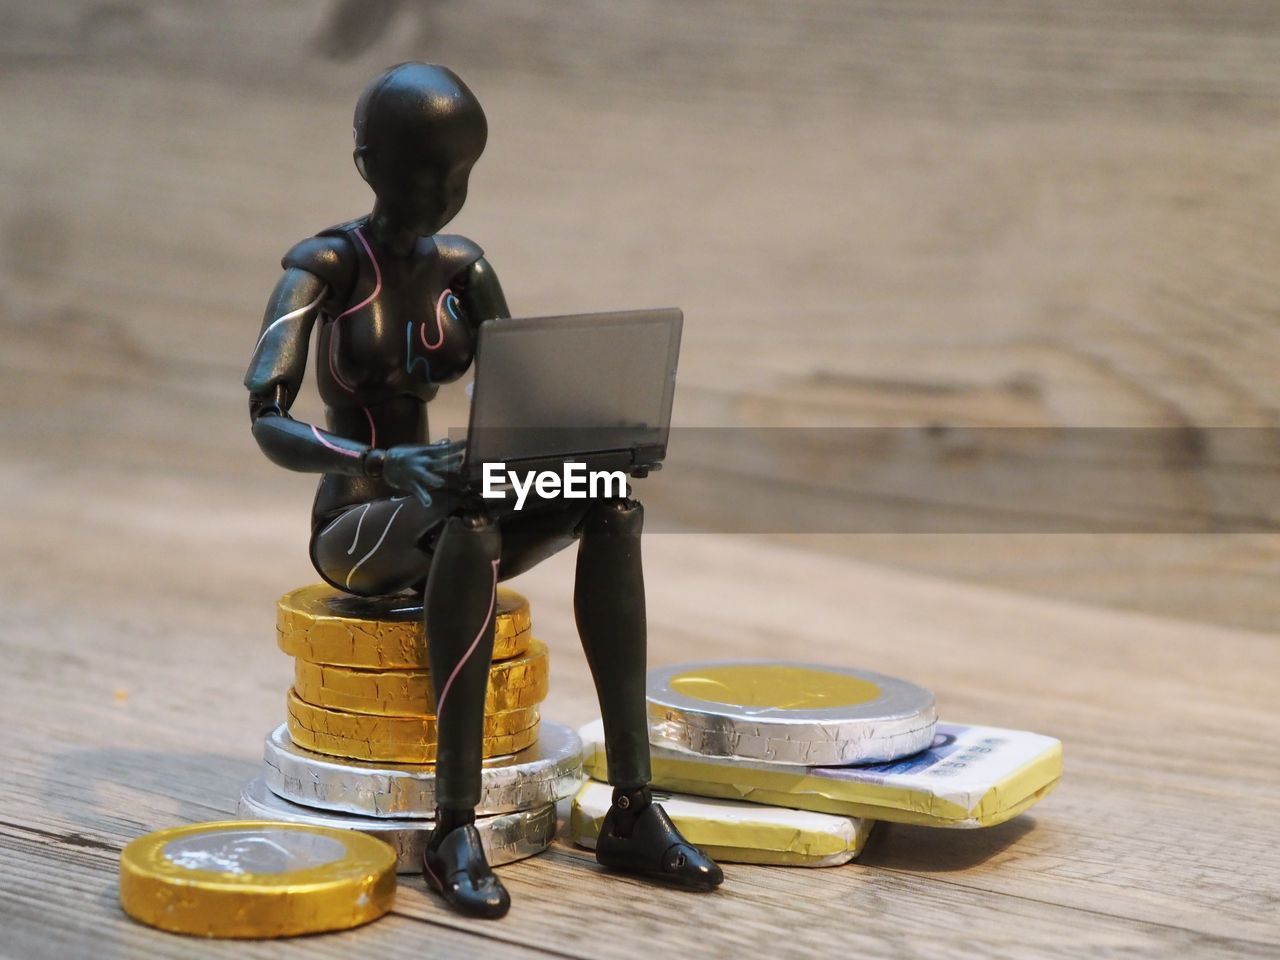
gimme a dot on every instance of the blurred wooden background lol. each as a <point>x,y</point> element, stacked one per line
<point>874,214</point>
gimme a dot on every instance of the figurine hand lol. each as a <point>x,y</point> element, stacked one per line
<point>419,468</point>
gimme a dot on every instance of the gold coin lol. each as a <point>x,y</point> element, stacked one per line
<point>416,753</point>
<point>256,879</point>
<point>513,683</point>
<point>324,625</point>
<point>775,686</point>
<point>398,739</point>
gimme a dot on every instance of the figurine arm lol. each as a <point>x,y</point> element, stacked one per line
<point>275,376</point>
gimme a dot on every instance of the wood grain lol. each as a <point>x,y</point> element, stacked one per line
<point>142,707</point>
<point>875,215</point>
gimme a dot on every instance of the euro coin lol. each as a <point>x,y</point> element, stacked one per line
<point>547,771</point>
<point>256,879</point>
<point>323,625</point>
<point>506,837</point>
<point>398,739</point>
<point>788,713</point>
<point>517,682</point>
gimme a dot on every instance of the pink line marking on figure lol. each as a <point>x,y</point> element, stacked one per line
<point>377,278</point>
<point>439,885</point>
<point>292,315</point>
<point>352,572</point>
<point>422,330</point>
<point>359,524</point>
<point>373,431</point>
<point>341,450</point>
<point>377,289</point>
<point>472,649</point>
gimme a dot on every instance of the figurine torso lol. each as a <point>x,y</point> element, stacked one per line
<point>385,344</point>
<point>400,331</point>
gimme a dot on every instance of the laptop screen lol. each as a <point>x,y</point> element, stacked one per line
<point>552,387</point>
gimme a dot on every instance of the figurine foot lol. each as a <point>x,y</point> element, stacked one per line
<point>456,868</point>
<point>638,837</point>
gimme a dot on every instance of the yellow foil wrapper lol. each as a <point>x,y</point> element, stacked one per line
<point>970,777</point>
<point>256,879</point>
<point>387,752</point>
<point>736,832</point>
<point>513,684</point>
<point>323,625</point>
<point>398,739</point>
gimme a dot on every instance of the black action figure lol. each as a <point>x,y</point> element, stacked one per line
<point>399,307</point>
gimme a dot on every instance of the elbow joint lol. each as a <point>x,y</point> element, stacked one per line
<point>272,403</point>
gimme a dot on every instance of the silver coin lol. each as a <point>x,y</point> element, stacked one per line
<point>506,837</point>
<point>260,851</point>
<point>778,711</point>
<point>544,773</point>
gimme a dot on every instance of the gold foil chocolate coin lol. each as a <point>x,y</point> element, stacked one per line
<point>398,739</point>
<point>256,879</point>
<point>324,625</point>
<point>517,682</point>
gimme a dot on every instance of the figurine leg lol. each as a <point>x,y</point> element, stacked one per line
<point>377,548</point>
<point>459,610</point>
<point>637,835</point>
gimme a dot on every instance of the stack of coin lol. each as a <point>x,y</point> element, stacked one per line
<point>856,746</point>
<point>359,743</point>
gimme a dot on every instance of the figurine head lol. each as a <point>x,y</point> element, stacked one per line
<point>418,132</point>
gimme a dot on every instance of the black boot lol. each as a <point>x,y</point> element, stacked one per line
<point>637,836</point>
<point>454,865</point>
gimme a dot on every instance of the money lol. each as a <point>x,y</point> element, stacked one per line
<point>547,771</point>
<point>398,739</point>
<point>506,837</point>
<point>359,743</point>
<point>256,879</point>
<point>732,831</point>
<point>788,713</point>
<point>517,682</point>
<point>322,625</point>
<point>969,777</point>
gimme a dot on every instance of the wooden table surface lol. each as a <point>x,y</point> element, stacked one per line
<point>874,215</point>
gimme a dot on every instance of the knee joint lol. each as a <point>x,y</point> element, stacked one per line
<point>621,515</point>
<point>472,532</point>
